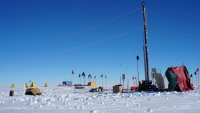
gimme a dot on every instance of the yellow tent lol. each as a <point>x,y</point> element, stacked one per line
<point>92,84</point>
<point>13,86</point>
<point>32,85</point>
<point>26,85</point>
<point>46,85</point>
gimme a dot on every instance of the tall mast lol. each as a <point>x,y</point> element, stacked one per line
<point>146,49</point>
<point>138,68</point>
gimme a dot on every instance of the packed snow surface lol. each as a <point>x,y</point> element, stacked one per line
<point>66,99</point>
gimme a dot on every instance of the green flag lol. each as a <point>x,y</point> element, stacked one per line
<point>30,81</point>
<point>95,77</point>
<point>79,75</point>
<point>83,74</point>
<point>102,75</point>
<point>195,72</point>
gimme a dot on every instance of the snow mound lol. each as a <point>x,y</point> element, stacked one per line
<point>150,99</point>
<point>149,110</point>
<point>138,105</point>
<point>112,103</point>
<point>21,99</point>
<point>126,105</point>
<point>94,111</point>
<point>82,107</point>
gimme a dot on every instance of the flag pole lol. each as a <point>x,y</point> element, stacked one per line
<point>80,84</point>
<point>72,83</point>
<point>95,79</point>
<point>133,82</point>
<point>198,79</point>
<point>106,83</point>
<point>24,89</point>
<point>84,84</point>
<point>102,81</point>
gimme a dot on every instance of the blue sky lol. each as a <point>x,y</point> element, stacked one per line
<point>26,25</point>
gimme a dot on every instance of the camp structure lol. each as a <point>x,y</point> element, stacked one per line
<point>32,85</point>
<point>91,84</point>
<point>13,86</point>
<point>178,78</point>
<point>26,85</point>
<point>46,85</point>
<point>33,91</point>
<point>159,79</point>
<point>67,83</point>
<point>118,89</point>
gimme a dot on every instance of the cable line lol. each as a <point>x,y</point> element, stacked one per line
<point>71,35</point>
<point>173,33</point>
<point>73,48</point>
<point>132,55</point>
<point>173,14</point>
<point>154,50</point>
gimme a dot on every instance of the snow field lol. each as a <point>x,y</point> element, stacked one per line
<point>56,99</point>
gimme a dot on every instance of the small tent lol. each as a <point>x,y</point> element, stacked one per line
<point>179,79</point>
<point>33,91</point>
<point>159,79</point>
<point>13,86</point>
<point>26,85</point>
<point>67,83</point>
<point>171,77</point>
<point>92,84</point>
<point>32,85</point>
<point>46,85</point>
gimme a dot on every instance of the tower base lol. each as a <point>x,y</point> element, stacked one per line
<point>147,86</point>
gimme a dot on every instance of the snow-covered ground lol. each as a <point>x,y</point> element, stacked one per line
<point>62,100</point>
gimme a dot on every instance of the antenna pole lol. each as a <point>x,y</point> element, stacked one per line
<point>146,47</point>
<point>138,68</point>
<point>120,74</point>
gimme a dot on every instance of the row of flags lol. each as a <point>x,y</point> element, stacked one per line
<point>195,72</point>
<point>89,76</point>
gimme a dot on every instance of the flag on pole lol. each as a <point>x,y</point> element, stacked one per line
<point>89,76</point>
<point>83,74</point>
<point>30,81</point>
<point>195,73</point>
<point>95,78</point>
<point>191,75</point>
<point>133,78</point>
<point>106,81</point>
<point>197,70</point>
<point>102,79</point>
<point>72,78</point>
<point>79,75</point>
